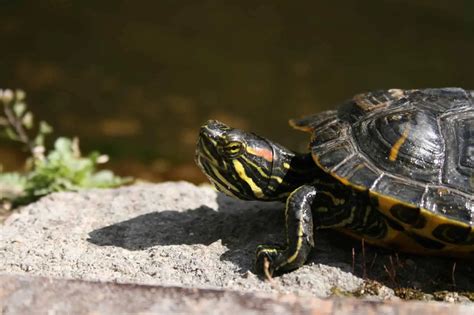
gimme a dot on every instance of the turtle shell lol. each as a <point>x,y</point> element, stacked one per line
<point>413,150</point>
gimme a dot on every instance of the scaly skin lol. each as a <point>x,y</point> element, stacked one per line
<point>249,167</point>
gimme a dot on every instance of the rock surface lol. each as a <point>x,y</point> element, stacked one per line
<point>178,234</point>
<point>23,294</point>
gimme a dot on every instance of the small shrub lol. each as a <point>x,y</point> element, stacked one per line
<point>62,168</point>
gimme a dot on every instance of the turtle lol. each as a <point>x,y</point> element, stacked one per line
<point>392,167</point>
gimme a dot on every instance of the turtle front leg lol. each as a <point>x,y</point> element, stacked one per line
<point>299,231</point>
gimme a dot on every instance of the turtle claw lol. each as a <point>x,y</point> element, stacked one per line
<point>265,262</point>
<point>266,269</point>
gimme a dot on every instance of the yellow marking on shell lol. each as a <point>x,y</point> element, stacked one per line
<point>306,128</point>
<point>346,182</point>
<point>286,165</point>
<point>343,180</point>
<point>385,202</point>
<point>397,240</point>
<point>396,147</point>
<point>433,221</point>
<point>401,241</point>
<point>257,191</point>
<point>359,167</point>
<point>394,239</point>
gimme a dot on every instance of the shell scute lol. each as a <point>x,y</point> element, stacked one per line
<point>409,148</point>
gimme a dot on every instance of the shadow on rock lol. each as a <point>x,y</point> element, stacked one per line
<point>240,225</point>
<point>243,225</point>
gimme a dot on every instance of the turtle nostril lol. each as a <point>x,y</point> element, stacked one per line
<point>213,129</point>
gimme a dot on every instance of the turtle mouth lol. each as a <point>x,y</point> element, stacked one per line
<point>207,145</point>
<point>204,155</point>
<point>198,155</point>
<point>215,175</point>
<point>212,164</point>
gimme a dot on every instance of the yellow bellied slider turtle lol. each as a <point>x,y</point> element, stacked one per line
<point>394,167</point>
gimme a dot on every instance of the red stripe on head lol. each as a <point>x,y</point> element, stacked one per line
<point>261,152</point>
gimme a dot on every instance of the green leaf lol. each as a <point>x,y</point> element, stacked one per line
<point>45,128</point>
<point>39,140</point>
<point>12,186</point>
<point>11,134</point>
<point>19,108</point>
<point>20,95</point>
<point>63,146</point>
<point>27,120</point>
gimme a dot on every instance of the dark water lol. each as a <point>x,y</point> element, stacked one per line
<point>136,79</point>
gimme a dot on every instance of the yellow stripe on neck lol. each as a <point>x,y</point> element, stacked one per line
<point>257,191</point>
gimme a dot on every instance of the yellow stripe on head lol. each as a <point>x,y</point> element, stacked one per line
<point>257,191</point>
<point>218,175</point>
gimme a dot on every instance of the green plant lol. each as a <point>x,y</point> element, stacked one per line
<point>62,168</point>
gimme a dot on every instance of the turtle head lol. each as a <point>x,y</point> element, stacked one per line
<point>241,164</point>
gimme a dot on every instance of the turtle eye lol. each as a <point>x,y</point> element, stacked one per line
<point>233,149</point>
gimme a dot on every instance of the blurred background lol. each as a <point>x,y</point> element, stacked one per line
<point>136,79</point>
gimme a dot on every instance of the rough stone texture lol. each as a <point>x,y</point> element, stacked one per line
<point>178,234</point>
<point>22,295</point>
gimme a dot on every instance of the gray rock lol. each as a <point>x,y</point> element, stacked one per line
<point>22,294</point>
<point>178,234</point>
